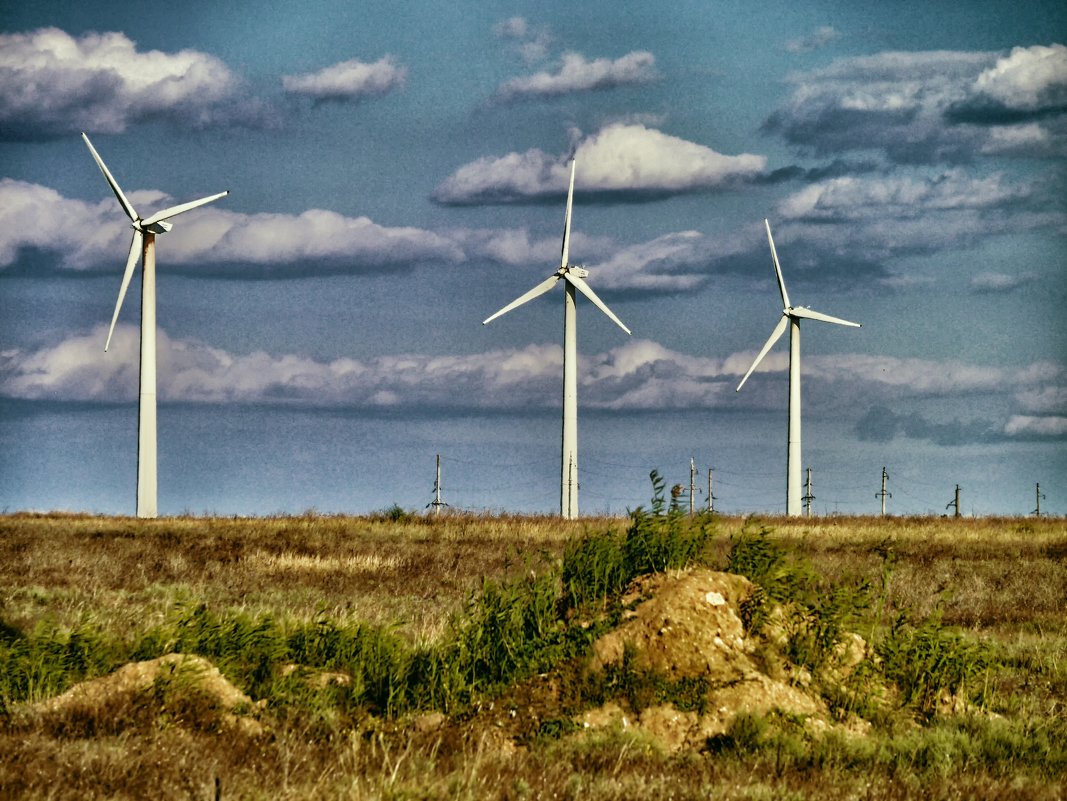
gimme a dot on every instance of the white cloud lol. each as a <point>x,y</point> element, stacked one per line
<point>857,197</point>
<point>531,41</point>
<point>317,241</point>
<point>52,84</point>
<point>350,80</point>
<point>817,40</point>
<point>930,107</point>
<point>876,218</point>
<point>671,263</point>
<point>640,375</point>
<point>624,159</point>
<point>1000,282</point>
<point>96,234</point>
<point>576,74</point>
<point>1029,78</point>
<point>1027,427</point>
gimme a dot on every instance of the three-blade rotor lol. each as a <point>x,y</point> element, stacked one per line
<point>571,273</point>
<point>789,313</point>
<point>152,225</point>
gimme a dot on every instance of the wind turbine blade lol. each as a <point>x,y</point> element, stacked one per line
<point>131,262</point>
<point>126,205</point>
<point>776,334</point>
<point>567,219</point>
<point>174,211</point>
<point>806,313</point>
<point>585,289</point>
<point>777,267</point>
<point>540,289</point>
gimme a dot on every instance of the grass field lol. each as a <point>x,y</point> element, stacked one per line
<point>391,656</point>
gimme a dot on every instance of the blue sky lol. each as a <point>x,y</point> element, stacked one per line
<point>398,173</point>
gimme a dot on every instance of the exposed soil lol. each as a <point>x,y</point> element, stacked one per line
<point>688,626</point>
<point>186,688</point>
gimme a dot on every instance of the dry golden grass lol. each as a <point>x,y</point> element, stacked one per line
<point>126,573</point>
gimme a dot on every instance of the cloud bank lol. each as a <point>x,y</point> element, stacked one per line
<point>638,376</point>
<point>223,243</point>
<point>316,240</point>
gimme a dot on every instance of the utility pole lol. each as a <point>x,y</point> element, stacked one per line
<point>955,503</point>
<point>711,497</point>
<point>883,494</point>
<point>692,484</point>
<point>1037,492</point>
<point>808,497</point>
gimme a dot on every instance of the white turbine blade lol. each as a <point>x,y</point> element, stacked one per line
<point>126,205</point>
<point>174,211</point>
<point>540,289</point>
<point>806,313</point>
<point>567,219</point>
<point>131,262</point>
<point>585,289</point>
<point>777,268</point>
<point>776,334</point>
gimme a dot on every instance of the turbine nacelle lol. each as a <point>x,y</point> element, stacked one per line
<point>155,228</point>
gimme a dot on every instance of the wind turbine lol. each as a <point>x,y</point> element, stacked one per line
<point>573,277</point>
<point>144,246</point>
<point>791,317</point>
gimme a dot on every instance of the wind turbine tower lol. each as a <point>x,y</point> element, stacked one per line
<point>791,317</point>
<point>143,246</point>
<point>573,277</point>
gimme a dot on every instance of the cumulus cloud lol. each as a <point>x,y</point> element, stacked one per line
<point>576,74</point>
<point>348,81</point>
<point>622,161</point>
<point>817,40</point>
<point>1029,83</point>
<point>316,240</point>
<point>53,84</point>
<point>929,107</point>
<point>531,41</point>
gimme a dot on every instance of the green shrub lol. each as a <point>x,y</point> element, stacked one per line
<point>927,662</point>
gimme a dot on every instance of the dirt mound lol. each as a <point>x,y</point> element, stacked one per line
<point>687,626</point>
<point>186,689</point>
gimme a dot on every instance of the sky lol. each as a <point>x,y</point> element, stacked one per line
<point>398,172</point>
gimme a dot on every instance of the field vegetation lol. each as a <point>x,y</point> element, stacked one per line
<point>405,656</point>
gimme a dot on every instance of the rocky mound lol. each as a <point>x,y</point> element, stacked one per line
<point>687,626</point>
